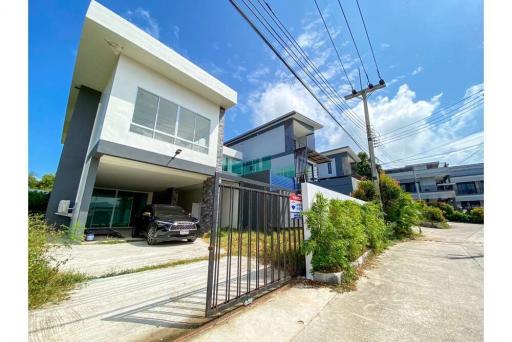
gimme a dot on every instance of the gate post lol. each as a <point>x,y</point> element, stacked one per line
<point>213,240</point>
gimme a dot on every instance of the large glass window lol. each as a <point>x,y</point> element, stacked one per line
<point>466,188</point>
<point>163,120</point>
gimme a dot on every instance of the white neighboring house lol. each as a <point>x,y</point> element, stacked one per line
<point>143,125</point>
<point>461,185</point>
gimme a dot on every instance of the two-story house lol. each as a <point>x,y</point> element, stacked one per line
<point>461,185</point>
<point>338,174</point>
<point>280,152</point>
<point>142,125</point>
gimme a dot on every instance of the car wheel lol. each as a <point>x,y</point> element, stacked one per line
<point>192,239</point>
<point>151,235</point>
<point>135,232</point>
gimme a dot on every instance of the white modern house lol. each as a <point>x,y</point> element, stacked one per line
<point>461,185</point>
<point>142,125</point>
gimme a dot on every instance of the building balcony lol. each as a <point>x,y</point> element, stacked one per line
<point>434,195</point>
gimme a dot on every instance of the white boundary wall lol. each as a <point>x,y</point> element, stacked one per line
<point>309,192</point>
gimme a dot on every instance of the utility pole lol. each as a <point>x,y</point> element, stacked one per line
<point>364,96</point>
<point>416,187</point>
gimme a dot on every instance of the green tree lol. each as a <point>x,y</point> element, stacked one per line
<point>45,183</point>
<point>32,181</point>
<point>363,168</point>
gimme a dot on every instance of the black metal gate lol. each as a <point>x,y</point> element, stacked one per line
<point>255,244</point>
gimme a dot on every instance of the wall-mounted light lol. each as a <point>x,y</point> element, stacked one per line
<point>178,151</point>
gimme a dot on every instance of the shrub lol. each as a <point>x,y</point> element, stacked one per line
<point>45,282</point>
<point>365,191</point>
<point>328,248</point>
<point>476,215</point>
<point>37,200</point>
<point>341,231</point>
<point>458,216</point>
<point>375,227</point>
<point>346,218</point>
<point>433,214</point>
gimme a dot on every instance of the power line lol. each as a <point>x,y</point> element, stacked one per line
<point>354,41</point>
<point>335,97</point>
<point>368,37</point>
<point>437,147</point>
<point>409,160</point>
<point>423,127</point>
<point>468,158</point>
<point>436,112</point>
<point>273,48</point>
<point>333,45</point>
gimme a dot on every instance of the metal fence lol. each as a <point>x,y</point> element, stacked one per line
<point>255,244</point>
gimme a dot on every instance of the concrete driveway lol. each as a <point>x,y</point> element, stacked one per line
<point>99,259</point>
<point>430,289</point>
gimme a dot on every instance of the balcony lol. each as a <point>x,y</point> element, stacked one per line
<point>434,195</point>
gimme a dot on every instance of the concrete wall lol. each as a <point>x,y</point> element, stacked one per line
<point>129,76</point>
<point>268,143</point>
<point>70,174</point>
<point>309,192</point>
<point>323,168</point>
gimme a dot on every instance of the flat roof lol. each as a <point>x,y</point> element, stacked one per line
<point>346,149</point>
<point>105,35</point>
<point>293,114</point>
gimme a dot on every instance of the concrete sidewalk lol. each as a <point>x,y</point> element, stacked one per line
<point>430,289</point>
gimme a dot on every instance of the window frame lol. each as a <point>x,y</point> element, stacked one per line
<point>173,137</point>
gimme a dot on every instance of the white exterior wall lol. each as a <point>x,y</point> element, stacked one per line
<point>322,170</point>
<point>268,143</point>
<point>309,192</point>
<point>129,76</point>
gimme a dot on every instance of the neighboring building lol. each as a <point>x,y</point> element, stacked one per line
<point>338,174</point>
<point>461,186</point>
<point>280,152</point>
<point>135,104</point>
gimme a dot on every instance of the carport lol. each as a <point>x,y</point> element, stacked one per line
<point>123,187</point>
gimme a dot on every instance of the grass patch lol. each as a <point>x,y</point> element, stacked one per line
<point>150,267</point>
<point>46,283</point>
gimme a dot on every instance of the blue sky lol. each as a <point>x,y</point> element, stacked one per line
<point>429,52</point>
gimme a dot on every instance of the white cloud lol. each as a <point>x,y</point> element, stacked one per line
<point>387,113</point>
<point>256,75</point>
<point>417,70</point>
<point>148,23</point>
<point>176,32</point>
<point>384,45</point>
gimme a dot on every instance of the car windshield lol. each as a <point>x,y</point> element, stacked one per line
<point>168,210</point>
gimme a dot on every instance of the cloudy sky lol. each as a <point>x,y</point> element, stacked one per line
<point>429,53</point>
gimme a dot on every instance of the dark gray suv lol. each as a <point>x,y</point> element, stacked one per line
<point>163,222</point>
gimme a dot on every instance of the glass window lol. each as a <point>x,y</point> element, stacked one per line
<point>157,118</point>
<point>166,120</point>
<point>329,168</point>
<point>202,133</point>
<point>186,125</point>
<point>146,106</point>
<point>466,188</point>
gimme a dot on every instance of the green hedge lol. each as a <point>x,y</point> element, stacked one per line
<point>38,201</point>
<point>341,231</point>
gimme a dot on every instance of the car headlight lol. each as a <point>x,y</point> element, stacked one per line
<point>163,224</point>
